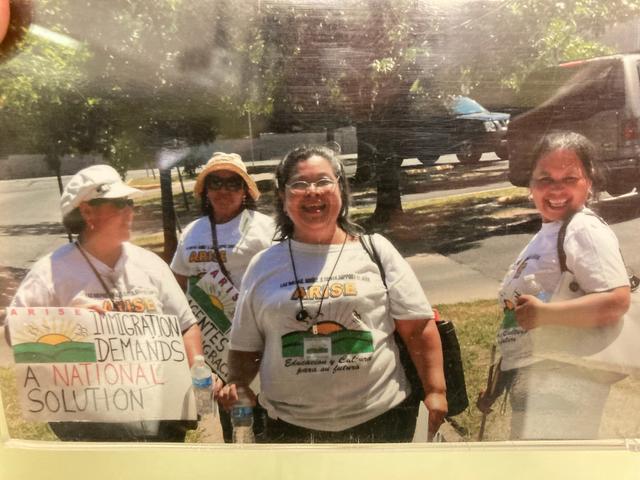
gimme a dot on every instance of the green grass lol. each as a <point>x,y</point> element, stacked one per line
<point>19,428</point>
<point>151,181</point>
<point>475,323</point>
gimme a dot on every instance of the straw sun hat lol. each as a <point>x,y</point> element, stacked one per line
<point>230,162</point>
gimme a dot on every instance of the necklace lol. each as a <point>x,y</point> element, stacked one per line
<point>302,314</point>
<point>99,277</point>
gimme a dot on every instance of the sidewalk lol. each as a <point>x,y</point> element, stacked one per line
<point>446,281</point>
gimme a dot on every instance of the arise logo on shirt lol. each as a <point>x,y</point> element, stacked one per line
<point>132,304</point>
<point>333,290</point>
<point>201,256</point>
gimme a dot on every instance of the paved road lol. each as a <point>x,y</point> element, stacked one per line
<point>29,227</point>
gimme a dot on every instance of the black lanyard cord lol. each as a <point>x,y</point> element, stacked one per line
<point>302,314</point>
<point>216,250</point>
<point>99,277</point>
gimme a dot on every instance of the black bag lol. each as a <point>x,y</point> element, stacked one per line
<point>457,398</point>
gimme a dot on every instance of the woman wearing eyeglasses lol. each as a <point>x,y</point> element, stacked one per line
<point>317,322</point>
<point>103,271</point>
<point>214,251</point>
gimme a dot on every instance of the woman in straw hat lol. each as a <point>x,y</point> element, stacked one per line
<point>103,271</point>
<point>215,250</point>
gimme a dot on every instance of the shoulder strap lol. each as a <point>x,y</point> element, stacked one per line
<point>216,250</point>
<point>562,233</point>
<point>634,281</point>
<point>367,244</point>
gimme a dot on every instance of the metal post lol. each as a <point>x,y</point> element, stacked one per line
<point>168,215</point>
<point>250,137</point>
<point>184,194</point>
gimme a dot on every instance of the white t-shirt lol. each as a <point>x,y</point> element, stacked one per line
<point>593,255</point>
<point>238,241</point>
<point>139,282</point>
<point>349,372</point>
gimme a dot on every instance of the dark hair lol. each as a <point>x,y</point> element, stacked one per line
<point>205,205</point>
<point>73,222</point>
<point>577,143</point>
<point>285,170</point>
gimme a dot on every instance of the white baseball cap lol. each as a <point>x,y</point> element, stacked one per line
<point>97,181</point>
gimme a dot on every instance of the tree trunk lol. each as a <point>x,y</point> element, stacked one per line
<point>55,163</point>
<point>168,215</point>
<point>365,161</point>
<point>388,203</point>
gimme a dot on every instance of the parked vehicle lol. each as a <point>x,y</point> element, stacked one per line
<point>599,98</point>
<point>460,125</point>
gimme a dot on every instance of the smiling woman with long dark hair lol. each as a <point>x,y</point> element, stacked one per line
<point>554,399</point>
<point>317,321</point>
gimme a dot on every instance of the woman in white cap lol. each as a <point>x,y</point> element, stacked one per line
<point>215,250</point>
<point>103,271</point>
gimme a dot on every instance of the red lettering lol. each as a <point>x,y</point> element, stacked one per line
<point>58,374</point>
<point>141,375</point>
<point>156,379</point>
<point>75,375</point>
<point>114,378</point>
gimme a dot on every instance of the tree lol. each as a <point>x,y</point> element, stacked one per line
<point>514,38</point>
<point>349,63</point>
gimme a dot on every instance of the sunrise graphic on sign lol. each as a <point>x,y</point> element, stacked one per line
<point>52,341</point>
<point>215,296</point>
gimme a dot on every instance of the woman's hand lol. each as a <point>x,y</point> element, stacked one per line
<point>436,403</point>
<point>228,395</point>
<point>528,309</point>
<point>485,402</point>
<point>217,386</point>
<point>96,308</point>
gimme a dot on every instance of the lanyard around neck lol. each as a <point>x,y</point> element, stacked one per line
<point>216,250</point>
<point>99,277</point>
<point>303,315</point>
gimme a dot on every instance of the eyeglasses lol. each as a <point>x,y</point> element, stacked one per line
<point>233,184</point>
<point>547,182</point>
<point>324,185</point>
<point>119,203</point>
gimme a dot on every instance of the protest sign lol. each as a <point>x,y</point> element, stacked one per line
<point>212,299</point>
<point>74,364</point>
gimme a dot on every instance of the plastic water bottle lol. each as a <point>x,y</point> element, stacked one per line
<point>535,289</point>
<point>242,418</point>
<point>202,381</point>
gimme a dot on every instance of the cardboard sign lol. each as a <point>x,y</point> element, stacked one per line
<point>212,299</point>
<point>74,364</point>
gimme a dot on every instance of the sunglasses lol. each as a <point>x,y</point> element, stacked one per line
<point>119,203</point>
<point>232,184</point>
